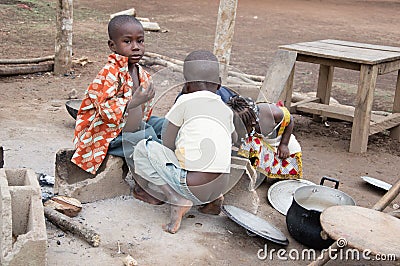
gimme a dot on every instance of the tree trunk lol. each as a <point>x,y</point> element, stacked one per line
<point>224,35</point>
<point>63,45</point>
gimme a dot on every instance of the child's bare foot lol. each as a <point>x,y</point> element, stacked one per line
<point>213,207</point>
<point>141,194</point>
<point>177,213</point>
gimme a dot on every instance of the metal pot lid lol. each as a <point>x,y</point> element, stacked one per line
<point>280,194</point>
<point>255,224</point>
<point>377,182</point>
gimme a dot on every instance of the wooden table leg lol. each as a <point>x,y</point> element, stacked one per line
<point>325,78</point>
<point>395,132</point>
<point>363,107</point>
<point>288,90</point>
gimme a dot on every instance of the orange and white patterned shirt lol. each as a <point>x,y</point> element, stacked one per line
<point>101,115</point>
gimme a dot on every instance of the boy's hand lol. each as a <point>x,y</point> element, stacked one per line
<point>142,95</point>
<point>283,151</point>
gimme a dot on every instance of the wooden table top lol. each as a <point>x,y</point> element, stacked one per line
<point>363,228</point>
<point>346,51</point>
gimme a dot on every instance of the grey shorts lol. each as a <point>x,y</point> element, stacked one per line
<point>159,165</point>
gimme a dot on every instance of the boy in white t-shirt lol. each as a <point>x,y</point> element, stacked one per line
<point>192,166</point>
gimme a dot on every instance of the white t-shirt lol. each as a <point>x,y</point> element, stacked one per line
<point>204,138</point>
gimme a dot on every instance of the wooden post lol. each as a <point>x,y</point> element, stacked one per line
<point>63,45</point>
<point>224,35</point>
<point>395,132</point>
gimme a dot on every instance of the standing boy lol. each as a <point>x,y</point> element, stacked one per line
<point>192,165</point>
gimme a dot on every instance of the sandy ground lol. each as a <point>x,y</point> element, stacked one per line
<point>34,123</point>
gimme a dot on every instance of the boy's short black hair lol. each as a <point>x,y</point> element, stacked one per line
<point>118,21</point>
<point>201,66</point>
<point>201,55</point>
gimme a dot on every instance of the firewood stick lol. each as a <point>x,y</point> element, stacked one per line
<point>388,197</point>
<point>164,60</point>
<point>249,76</point>
<point>26,60</point>
<point>234,86</point>
<point>67,224</point>
<point>161,62</point>
<point>150,60</point>
<point>178,68</point>
<point>242,77</point>
<point>25,69</point>
<point>164,57</point>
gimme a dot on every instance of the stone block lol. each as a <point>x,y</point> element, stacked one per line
<point>23,231</point>
<point>243,193</point>
<point>72,181</point>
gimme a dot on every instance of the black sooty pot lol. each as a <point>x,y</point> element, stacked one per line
<point>302,218</point>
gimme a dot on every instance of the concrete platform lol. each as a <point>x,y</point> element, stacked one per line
<point>23,231</point>
<point>72,181</point>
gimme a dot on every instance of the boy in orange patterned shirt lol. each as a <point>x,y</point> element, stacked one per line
<point>120,87</point>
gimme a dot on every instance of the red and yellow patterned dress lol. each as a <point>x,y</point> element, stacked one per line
<point>261,151</point>
<point>101,116</point>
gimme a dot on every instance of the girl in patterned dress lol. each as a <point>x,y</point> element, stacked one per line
<point>266,139</point>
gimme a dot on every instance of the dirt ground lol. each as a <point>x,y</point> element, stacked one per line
<point>34,123</point>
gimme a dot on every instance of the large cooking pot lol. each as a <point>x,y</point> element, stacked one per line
<point>302,218</point>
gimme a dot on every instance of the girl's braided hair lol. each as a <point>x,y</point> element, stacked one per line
<point>246,110</point>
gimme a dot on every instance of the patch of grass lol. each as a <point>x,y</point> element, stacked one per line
<point>45,10</point>
<point>32,10</point>
<point>89,14</point>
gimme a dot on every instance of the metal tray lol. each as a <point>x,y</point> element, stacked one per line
<point>280,194</point>
<point>255,224</point>
<point>376,182</point>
